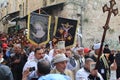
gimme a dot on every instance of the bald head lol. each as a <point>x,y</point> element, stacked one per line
<point>43,66</point>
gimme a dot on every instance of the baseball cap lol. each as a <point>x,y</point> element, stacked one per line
<point>87,50</point>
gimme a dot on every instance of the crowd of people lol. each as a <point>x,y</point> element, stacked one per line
<point>26,61</point>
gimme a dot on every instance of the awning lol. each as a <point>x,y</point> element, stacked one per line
<point>18,18</point>
<point>10,16</point>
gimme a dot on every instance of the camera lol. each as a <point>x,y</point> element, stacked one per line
<point>31,69</point>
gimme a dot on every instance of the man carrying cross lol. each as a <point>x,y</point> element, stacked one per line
<point>106,27</point>
<point>104,66</point>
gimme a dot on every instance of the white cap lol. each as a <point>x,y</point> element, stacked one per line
<point>96,46</point>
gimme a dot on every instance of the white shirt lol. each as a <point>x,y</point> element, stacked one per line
<point>31,56</point>
<point>113,75</point>
<point>46,57</point>
<point>83,75</point>
<point>51,54</point>
<point>30,63</point>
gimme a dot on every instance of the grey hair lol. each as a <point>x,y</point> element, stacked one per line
<point>88,60</point>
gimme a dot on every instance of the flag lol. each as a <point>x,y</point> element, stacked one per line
<point>65,29</point>
<point>38,28</point>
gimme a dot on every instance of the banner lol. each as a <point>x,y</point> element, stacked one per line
<point>65,30</point>
<point>38,28</point>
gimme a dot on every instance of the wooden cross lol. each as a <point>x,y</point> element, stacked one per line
<point>106,26</point>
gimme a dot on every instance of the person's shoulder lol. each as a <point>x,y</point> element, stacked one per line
<point>67,70</point>
<point>54,77</point>
<point>32,61</point>
<point>81,74</point>
<point>4,69</point>
<point>54,70</point>
<point>80,71</point>
<point>2,66</point>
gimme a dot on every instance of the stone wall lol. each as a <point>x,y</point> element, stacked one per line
<point>93,20</point>
<point>91,17</point>
<point>93,28</point>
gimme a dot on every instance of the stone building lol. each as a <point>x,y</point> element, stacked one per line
<point>14,9</point>
<point>88,12</point>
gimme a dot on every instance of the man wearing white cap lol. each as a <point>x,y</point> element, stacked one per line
<point>96,48</point>
<point>104,66</point>
<point>60,63</point>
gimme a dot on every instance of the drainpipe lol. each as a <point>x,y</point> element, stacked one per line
<point>27,7</point>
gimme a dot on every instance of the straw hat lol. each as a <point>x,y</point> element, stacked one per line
<point>59,58</point>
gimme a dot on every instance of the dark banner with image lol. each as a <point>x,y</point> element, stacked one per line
<point>38,28</point>
<point>65,30</point>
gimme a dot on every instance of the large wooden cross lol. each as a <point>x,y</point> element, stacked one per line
<point>106,26</point>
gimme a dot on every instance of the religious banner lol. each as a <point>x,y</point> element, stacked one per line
<point>65,30</point>
<point>38,28</point>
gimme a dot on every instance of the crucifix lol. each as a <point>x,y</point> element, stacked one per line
<point>106,26</point>
<point>64,34</point>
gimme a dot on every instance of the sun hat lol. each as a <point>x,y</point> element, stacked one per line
<point>59,58</point>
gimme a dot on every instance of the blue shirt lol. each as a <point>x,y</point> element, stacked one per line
<point>54,77</point>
